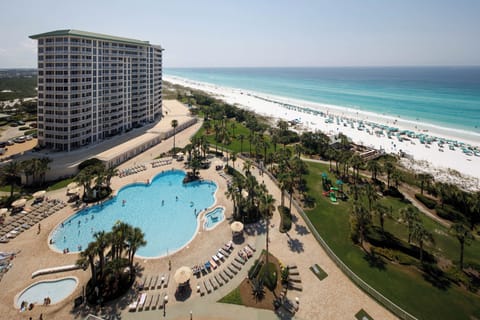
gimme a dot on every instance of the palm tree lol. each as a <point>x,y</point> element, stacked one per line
<point>28,169</point>
<point>241,137</point>
<point>109,174</point>
<point>10,174</point>
<point>374,167</point>
<point>233,126</point>
<point>266,208</point>
<point>410,216</point>
<point>283,182</point>
<point>356,162</point>
<point>233,157</point>
<point>388,166</point>
<point>102,240</point>
<point>371,194</point>
<point>174,125</point>
<point>396,177</point>
<point>361,221</point>
<point>421,235</point>
<point>330,154</point>
<point>257,289</point>
<point>463,236</point>
<point>247,165</point>
<point>382,212</point>
<point>135,239</point>
<point>43,167</point>
<point>425,179</point>
<point>89,255</point>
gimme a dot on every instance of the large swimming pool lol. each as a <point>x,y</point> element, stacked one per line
<point>166,210</point>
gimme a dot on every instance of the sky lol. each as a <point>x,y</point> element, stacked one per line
<point>255,33</point>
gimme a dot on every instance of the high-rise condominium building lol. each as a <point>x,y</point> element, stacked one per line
<point>93,86</point>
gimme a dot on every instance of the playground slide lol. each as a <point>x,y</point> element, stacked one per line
<point>333,198</point>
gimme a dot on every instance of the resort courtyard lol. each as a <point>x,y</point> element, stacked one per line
<point>334,297</point>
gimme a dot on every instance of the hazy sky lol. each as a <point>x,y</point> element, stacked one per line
<point>206,33</point>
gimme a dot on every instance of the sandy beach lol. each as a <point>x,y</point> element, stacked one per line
<point>433,156</point>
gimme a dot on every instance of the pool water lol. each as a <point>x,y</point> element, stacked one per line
<point>56,290</point>
<point>213,218</point>
<point>166,211</point>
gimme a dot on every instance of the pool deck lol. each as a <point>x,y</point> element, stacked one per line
<point>335,297</point>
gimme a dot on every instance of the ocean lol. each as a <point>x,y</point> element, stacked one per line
<point>443,96</point>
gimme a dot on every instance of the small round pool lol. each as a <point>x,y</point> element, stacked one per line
<point>213,218</point>
<point>56,290</point>
<point>166,210</point>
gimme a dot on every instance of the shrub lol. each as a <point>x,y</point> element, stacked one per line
<point>23,128</point>
<point>269,274</point>
<point>393,192</point>
<point>427,201</point>
<point>286,219</point>
<point>449,213</point>
<point>88,163</point>
<point>254,269</point>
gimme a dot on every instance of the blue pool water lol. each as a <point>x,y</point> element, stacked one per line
<point>213,218</point>
<point>165,210</point>
<point>57,290</point>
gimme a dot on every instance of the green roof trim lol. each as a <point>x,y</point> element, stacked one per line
<point>86,34</point>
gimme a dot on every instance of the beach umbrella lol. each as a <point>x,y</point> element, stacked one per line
<point>19,203</point>
<point>39,194</point>
<point>3,211</point>
<point>182,275</point>
<point>237,226</point>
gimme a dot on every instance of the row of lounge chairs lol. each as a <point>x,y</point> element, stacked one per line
<point>294,280</point>
<point>22,222</point>
<point>161,162</point>
<point>155,282</point>
<point>226,177</point>
<point>133,170</point>
<point>146,301</point>
<point>223,276</point>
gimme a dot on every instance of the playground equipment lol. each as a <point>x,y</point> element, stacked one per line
<point>331,191</point>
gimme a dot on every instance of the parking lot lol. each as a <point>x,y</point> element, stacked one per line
<point>7,133</point>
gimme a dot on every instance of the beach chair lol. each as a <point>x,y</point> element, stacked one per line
<point>147,284</point>
<point>213,264</point>
<point>224,252</point>
<point>239,260</point>
<point>167,278</point>
<point>149,302</point>
<point>295,286</point>
<point>227,273</point>
<point>200,289</point>
<point>220,255</point>
<point>219,280</point>
<point>141,301</point>
<point>291,266</point>
<point>207,286</point>
<point>153,282</point>
<point>223,277</point>
<point>212,282</point>
<point>133,306</point>
<point>236,266</point>
<point>293,272</point>
<point>156,298</point>
<point>294,278</point>
<point>161,279</point>
<point>144,282</point>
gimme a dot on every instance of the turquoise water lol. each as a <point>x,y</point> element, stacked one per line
<point>445,96</point>
<point>165,210</point>
<point>213,218</point>
<point>56,290</point>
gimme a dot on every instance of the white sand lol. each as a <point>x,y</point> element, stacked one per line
<point>431,159</point>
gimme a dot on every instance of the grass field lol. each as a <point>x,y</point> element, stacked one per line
<point>404,285</point>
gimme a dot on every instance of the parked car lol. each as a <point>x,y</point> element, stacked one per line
<point>3,144</point>
<point>21,123</point>
<point>10,143</point>
<point>28,138</point>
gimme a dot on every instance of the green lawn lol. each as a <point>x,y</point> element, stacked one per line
<point>233,297</point>
<point>403,285</point>
<point>236,144</point>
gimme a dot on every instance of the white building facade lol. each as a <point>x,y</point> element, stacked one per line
<point>93,86</point>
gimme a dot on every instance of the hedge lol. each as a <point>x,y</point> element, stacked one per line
<point>428,202</point>
<point>449,213</point>
<point>286,219</point>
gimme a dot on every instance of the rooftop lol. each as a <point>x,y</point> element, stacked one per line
<point>86,34</point>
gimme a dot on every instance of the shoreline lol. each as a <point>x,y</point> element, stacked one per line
<point>313,116</point>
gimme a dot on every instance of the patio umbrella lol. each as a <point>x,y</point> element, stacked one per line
<point>3,211</point>
<point>19,203</point>
<point>182,275</point>
<point>237,226</point>
<point>39,194</point>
